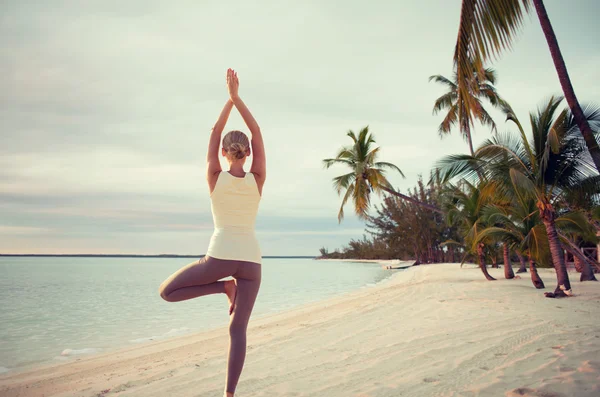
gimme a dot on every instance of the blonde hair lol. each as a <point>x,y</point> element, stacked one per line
<point>236,144</point>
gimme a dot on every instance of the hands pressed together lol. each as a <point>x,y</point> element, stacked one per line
<point>233,84</point>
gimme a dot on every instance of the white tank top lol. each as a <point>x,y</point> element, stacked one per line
<point>234,205</point>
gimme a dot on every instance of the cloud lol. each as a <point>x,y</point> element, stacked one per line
<point>106,109</point>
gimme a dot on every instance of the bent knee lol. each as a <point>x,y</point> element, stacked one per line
<point>162,291</point>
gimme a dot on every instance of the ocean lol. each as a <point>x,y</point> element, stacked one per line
<point>58,308</point>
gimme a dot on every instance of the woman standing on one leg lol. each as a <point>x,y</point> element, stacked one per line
<point>233,249</point>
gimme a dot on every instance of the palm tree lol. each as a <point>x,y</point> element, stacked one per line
<point>367,175</point>
<point>575,226</point>
<point>542,169</point>
<point>464,207</point>
<point>584,198</point>
<point>457,111</point>
<point>487,27</point>
<point>519,227</point>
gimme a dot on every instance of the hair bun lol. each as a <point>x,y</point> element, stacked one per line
<point>237,150</point>
<point>236,144</point>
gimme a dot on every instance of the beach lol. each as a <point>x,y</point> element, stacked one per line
<point>430,330</point>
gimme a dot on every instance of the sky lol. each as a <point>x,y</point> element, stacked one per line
<point>106,109</point>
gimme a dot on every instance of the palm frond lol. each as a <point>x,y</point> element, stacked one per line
<point>584,193</point>
<point>497,234</point>
<point>458,166</point>
<point>351,134</point>
<point>576,223</point>
<point>490,75</point>
<point>446,101</point>
<point>329,162</point>
<point>343,181</point>
<point>487,27</point>
<point>523,186</point>
<point>344,200</point>
<point>536,243</point>
<point>485,119</point>
<point>449,121</point>
<point>438,78</point>
<point>372,155</point>
<point>383,164</point>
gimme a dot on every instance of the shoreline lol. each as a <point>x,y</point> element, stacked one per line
<point>69,354</point>
<point>383,262</point>
<point>221,328</point>
<point>434,329</point>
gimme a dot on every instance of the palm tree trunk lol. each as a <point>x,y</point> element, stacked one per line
<point>523,268</point>
<point>412,200</point>
<point>494,262</point>
<point>535,277</point>
<point>565,82</point>
<point>430,253</point>
<point>508,270</point>
<point>587,274</point>
<point>578,264</point>
<point>558,259</point>
<point>583,264</point>
<point>482,266</point>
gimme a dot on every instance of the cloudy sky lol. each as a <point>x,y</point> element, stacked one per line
<point>106,109</point>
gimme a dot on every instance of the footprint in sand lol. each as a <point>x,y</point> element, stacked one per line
<point>527,392</point>
<point>565,369</point>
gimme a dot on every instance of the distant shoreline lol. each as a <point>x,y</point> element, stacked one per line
<point>137,256</point>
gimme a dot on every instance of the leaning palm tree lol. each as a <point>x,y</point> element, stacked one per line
<point>487,27</point>
<point>543,168</point>
<point>456,109</point>
<point>584,198</point>
<point>366,175</point>
<point>520,228</point>
<point>464,206</point>
<point>507,244</point>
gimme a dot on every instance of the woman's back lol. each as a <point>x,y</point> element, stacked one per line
<point>235,201</point>
<point>234,204</point>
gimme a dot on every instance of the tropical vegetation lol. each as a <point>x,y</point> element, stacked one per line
<point>532,196</point>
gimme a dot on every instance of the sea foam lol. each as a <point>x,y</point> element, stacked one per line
<point>74,352</point>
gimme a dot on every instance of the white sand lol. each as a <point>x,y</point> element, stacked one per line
<point>433,330</point>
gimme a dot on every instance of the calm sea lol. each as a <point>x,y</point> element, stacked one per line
<point>59,308</point>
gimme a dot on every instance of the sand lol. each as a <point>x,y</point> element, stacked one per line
<point>432,330</point>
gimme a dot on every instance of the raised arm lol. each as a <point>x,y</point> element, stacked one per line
<point>212,156</point>
<point>259,162</point>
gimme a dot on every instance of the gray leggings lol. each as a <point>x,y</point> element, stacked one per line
<point>201,278</point>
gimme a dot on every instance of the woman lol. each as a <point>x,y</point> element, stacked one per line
<point>233,249</point>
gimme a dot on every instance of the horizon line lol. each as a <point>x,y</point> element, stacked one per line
<point>146,255</point>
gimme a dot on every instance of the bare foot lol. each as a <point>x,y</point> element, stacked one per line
<point>231,291</point>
